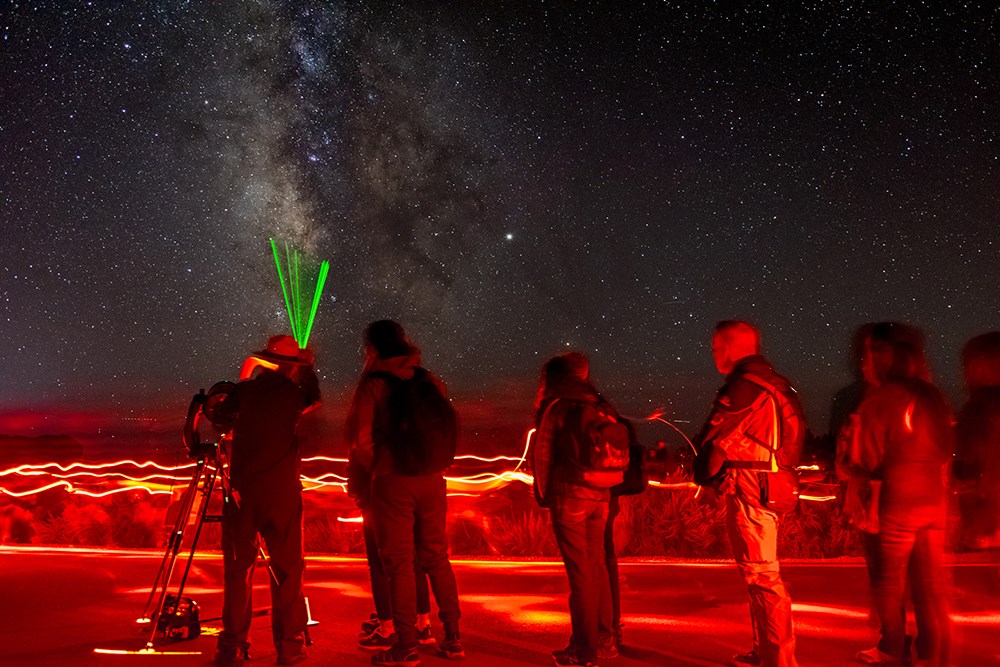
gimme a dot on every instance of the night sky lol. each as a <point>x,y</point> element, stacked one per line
<point>508,180</point>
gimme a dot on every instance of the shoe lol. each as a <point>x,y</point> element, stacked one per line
<point>293,659</point>
<point>875,656</point>
<point>371,625</point>
<point>425,638</point>
<point>376,642</point>
<point>607,649</point>
<point>451,649</point>
<point>230,655</point>
<point>397,657</point>
<point>567,658</point>
<point>747,659</point>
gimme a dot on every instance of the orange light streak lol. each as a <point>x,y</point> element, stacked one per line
<point>105,479</point>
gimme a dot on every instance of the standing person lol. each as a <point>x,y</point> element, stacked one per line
<point>906,443</point>
<point>403,430</point>
<point>266,499</point>
<point>860,491</point>
<point>634,482</point>
<point>977,463</point>
<point>378,631</point>
<point>579,453</point>
<point>755,423</point>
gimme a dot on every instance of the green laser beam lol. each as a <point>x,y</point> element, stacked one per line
<point>301,286</point>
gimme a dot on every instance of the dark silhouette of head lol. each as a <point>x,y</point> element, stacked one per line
<point>734,340</point>
<point>981,361</point>
<point>387,339</point>
<point>897,352</point>
<point>558,373</point>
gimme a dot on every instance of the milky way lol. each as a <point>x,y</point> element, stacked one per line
<point>507,180</point>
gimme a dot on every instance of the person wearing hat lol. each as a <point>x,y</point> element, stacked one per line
<point>278,385</point>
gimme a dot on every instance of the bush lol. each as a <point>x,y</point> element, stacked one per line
<point>16,525</point>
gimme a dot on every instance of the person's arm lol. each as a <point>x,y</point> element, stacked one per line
<point>309,384</point>
<point>875,419</point>
<point>541,454</point>
<point>731,407</point>
<point>362,421</point>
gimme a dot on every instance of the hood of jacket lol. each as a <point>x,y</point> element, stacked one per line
<point>401,367</point>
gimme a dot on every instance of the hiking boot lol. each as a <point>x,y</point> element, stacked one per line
<point>451,649</point>
<point>425,638</point>
<point>230,655</point>
<point>292,659</point>
<point>749,659</point>
<point>397,657</point>
<point>876,656</point>
<point>607,649</point>
<point>618,635</point>
<point>567,658</point>
<point>371,625</point>
<point>376,642</point>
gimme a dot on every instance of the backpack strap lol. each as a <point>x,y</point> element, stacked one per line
<point>771,391</point>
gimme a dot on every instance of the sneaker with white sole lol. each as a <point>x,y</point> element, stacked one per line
<point>377,642</point>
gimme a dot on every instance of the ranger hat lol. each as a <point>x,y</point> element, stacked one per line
<point>282,349</point>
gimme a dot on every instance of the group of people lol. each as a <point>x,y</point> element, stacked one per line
<point>896,442</point>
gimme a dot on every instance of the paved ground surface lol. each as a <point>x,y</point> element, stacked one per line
<point>58,606</point>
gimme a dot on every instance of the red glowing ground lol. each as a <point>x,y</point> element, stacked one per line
<point>62,604</point>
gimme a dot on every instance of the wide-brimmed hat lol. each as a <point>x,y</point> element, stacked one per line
<point>282,349</point>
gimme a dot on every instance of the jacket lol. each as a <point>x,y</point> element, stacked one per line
<point>265,448</point>
<point>906,441</point>
<point>735,430</point>
<point>367,424</point>
<point>554,456</point>
<point>977,466</point>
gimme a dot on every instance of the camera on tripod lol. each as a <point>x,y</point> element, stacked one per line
<point>220,407</point>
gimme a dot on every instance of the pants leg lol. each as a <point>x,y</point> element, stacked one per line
<point>395,506</point>
<point>896,541</point>
<point>431,528</point>
<point>423,590</point>
<point>379,580</point>
<point>753,534</point>
<point>281,529</point>
<point>579,527</point>
<point>929,586</point>
<point>239,555</point>
<point>611,614</point>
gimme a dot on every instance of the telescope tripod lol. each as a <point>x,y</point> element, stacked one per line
<point>171,616</point>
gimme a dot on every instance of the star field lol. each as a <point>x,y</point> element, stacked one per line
<point>508,180</point>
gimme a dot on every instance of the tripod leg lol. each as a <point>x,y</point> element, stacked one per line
<point>176,536</point>
<point>207,484</point>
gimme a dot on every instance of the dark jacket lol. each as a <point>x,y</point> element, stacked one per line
<point>265,448</point>
<point>906,441</point>
<point>554,456</point>
<point>977,466</point>
<point>367,425</point>
<point>735,427</point>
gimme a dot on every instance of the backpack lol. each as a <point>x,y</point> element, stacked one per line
<point>779,480</point>
<point>602,444</point>
<point>422,425</point>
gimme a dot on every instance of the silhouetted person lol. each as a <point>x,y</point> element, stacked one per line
<point>397,448</point>
<point>977,462</point>
<point>378,631</point>
<point>906,443</point>
<point>573,481</point>
<point>734,458</point>
<point>859,493</point>
<point>267,499</point>
<point>634,483</point>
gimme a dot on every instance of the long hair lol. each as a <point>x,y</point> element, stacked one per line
<point>560,373</point>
